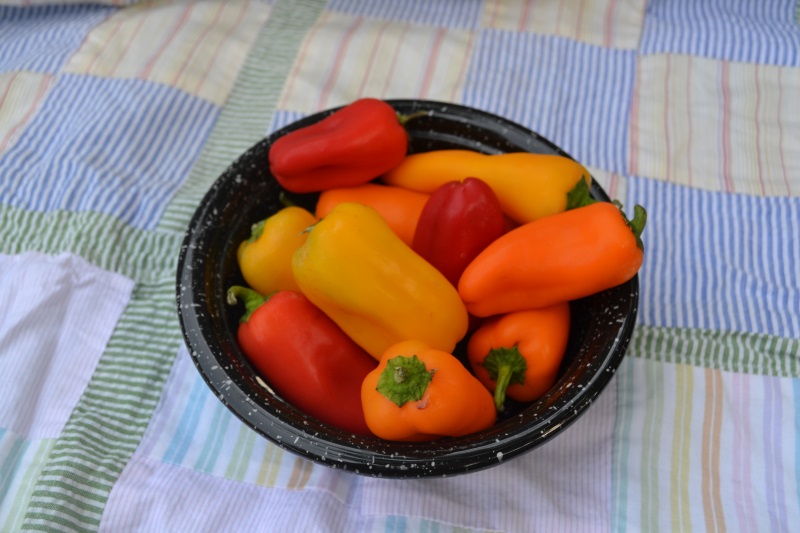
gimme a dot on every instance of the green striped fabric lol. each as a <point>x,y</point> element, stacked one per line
<point>107,425</point>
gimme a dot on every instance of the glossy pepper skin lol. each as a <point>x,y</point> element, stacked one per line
<point>418,393</point>
<point>559,258</point>
<point>304,356</point>
<point>400,208</point>
<point>373,285</point>
<point>265,259</point>
<point>354,145</point>
<point>518,354</point>
<point>459,220</point>
<point>529,186</point>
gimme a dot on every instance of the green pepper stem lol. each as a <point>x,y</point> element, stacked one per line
<point>404,379</point>
<point>405,118</point>
<point>504,366</point>
<point>252,300</point>
<point>637,224</point>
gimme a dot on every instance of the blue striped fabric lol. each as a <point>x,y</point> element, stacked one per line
<point>42,38</point>
<point>763,31</point>
<point>87,151</point>
<point>446,13</point>
<point>575,94</point>
<point>719,261</point>
<point>283,118</point>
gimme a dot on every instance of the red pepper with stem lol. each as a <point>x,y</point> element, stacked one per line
<point>458,221</point>
<point>304,356</point>
<point>352,146</point>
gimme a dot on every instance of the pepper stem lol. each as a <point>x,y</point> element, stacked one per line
<point>505,366</point>
<point>404,379</point>
<point>252,300</point>
<point>405,118</point>
<point>579,195</point>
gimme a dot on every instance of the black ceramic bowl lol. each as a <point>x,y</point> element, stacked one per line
<point>247,192</point>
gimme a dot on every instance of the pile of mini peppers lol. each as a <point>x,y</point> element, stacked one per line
<point>353,312</point>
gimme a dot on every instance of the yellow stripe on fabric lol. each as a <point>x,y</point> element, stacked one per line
<point>609,23</point>
<point>716,125</point>
<point>198,47</point>
<point>712,430</point>
<point>270,466</point>
<point>681,444</point>
<point>651,445</point>
<point>344,58</point>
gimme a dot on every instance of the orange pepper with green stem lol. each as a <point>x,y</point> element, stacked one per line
<point>563,257</point>
<point>518,354</point>
<point>399,207</point>
<point>529,186</point>
<point>265,258</point>
<point>419,393</point>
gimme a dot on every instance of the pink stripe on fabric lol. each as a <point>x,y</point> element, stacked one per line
<point>758,133</point>
<point>727,184</point>
<point>181,22</point>
<point>609,24</point>
<point>371,59</point>
<point>780,132</point>
<point>432,62</point>
<point>40,93</point>
<point>772,431</point>
<point>198,40</point>
<point>462,69</point>
<point>634,121</point>
<point>523,19</point>
<point>333,73</point>
<point>301,57</point>
<point>394,59</point>
<point>130,42</point>
<point>579,22</point>
<point>101,49</point>
<point>8,87</point>
<point>222,42</point>
<point>668,145</point>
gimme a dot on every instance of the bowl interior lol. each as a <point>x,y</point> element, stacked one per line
<point>246,193</point>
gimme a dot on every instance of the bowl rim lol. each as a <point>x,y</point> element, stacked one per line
<point>304,436</point>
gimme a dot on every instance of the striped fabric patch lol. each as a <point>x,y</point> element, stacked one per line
<point>193,429</point>
<point>586,113</point>
<point>718,455</point>
<point>730,270</point>
<point>731,351</point>
<point>21,460</point>
<point>75,153</point>
<point>523,494</point>
<point>21,95</point>
<point>106,426</point>
<point>43,388</point>
<point>733,30</point>
<point>197,47</point>
<point>720,126</point>
<point>613,183</point>
<point>344,58</point>
<point>40,39</point>
<point>445,13</point>
<point>250,106</point>
<point>607,23</point>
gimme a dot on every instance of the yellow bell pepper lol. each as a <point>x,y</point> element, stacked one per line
<point>529,186</point>
<point>374,286</point>
<point>265,259</point>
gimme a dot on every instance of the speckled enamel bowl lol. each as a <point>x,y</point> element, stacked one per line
<point>247,192</point>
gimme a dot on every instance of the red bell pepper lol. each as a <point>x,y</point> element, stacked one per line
<point>304,356</point>
<point>458,221</point>
<point>354,145</point>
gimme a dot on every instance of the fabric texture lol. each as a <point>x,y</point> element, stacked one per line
<point>116,117</point>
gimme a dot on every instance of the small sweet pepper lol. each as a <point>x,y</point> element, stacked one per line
<point>304,356</point>
<point>373,285</point>
<point>418,393</point>
<point>529,186</point>
<point>518,354</point>
<point>354,145</point>
<point>399,207</point>
<point>459,220</point>
<point>265,258</point>
<point>563,257</point>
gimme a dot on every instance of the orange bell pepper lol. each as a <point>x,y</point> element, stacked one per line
<point>419,393</point>
<point>399,207</point>
<point>518,354</point>
<point>529,186</point>
<point>559,258</point>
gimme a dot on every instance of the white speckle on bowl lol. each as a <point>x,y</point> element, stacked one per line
<point>499,456</point>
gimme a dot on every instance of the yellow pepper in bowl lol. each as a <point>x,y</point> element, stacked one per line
<point>374,286</point>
